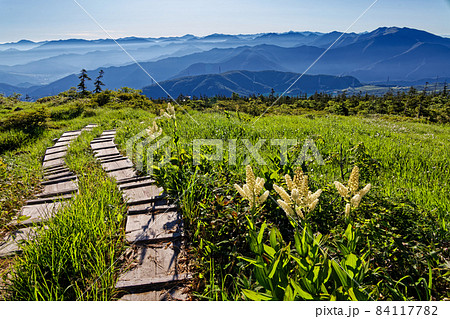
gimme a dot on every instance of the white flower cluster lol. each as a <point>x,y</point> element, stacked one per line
<point>252,189</point>
<point>301,200</point>
<point>169,112</point>
<point>154,131</point>
<point>351,192</point>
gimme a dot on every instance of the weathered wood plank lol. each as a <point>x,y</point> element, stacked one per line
<point>142,194</point>
<point>157,265</point>
<point>126,173</point>
<point>54,156</point>
<point>102,139</point>
<point>56,170</point>
<point>63,174</point>
<point>154,227</point>
<point>134,179</point>
<point>106,152</point>
<point>67,138</point>
<point>117,165</point>
<point>109,132</point>
<point>111,159</point>
<point>49,199</point>
<point>10,244</point>
<point>179,293</point>
<point>60,188</point>
<point>53,150</point>
<point>36,213</point>
<point>59,180</point>
<point>71,133</point>
<point>89,127</point>
<point>54,163</point>
<point>137,183</point>
<point>97,146</point>
<point>156,207</point>
<point>58,144</point>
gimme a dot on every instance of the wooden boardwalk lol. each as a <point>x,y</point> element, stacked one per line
<point>59,186</point>
<point>154,231</point>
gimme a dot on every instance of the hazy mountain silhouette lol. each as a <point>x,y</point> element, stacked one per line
<point>400,54</point>
<point>249,83</point>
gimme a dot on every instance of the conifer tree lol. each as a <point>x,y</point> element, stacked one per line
<point>83,78</point>
<point>98,82</point>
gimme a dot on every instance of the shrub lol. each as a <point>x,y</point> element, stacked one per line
<point>67,112</point>
<point>31,121</point>
<point>11,140</point>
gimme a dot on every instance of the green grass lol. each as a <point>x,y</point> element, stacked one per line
<point>402,223</point>
<point>407,163</point>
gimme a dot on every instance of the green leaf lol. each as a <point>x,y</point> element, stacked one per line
<point>256,296</point>
<point>340,273</point>
<point>303,294</point>
<point>269,250</point>
<point>349,233</point>
<point>261,232</point>
<point>274,267</point>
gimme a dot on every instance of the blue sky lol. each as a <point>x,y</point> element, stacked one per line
<point>62,19</point>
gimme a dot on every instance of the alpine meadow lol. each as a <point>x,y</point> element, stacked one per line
<point>197,151</point>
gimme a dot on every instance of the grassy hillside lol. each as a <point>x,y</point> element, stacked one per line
<point>392,246</point>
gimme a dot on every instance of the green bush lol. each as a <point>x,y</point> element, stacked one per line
<point>67,112</point>
<point>12,140</point>
<point>30,121</point>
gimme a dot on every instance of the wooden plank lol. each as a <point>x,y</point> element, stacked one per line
<point>60,188</point>
<point>66,173</point>
<point>89,127</point>
<point>53,150</point>
<point>134,179</point>
<point>11,243</point>
<point>72,133</point>
<point>36,213</point>
<point>154,227</point>
<point>48,199</point>
<point>102,140</point>
<point>126,173</point>
<point>54,163</point>
<point>142,194</point>
<point>54,156</point>
<point>59,180</point>
<point>156,207</point>
<point>111,159</point>
<point>56,170</point>
<point>156,265</point>
<point>107,144</point>
<point>117,165</point>
<point>58,144</point>
<point>67,138</point>
<point>136,184</point>
<point>179,293</point>
<point>106,132</point>
<point>107,152</point>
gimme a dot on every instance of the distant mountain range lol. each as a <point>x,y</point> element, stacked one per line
<point>247,83</point>
<point>385,54</point>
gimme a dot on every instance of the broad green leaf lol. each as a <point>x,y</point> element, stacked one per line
<point>256,296</point>
<point>303,294</point>
<point>269,250</point>
<point>261,232</point>
<point>340,273</point>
